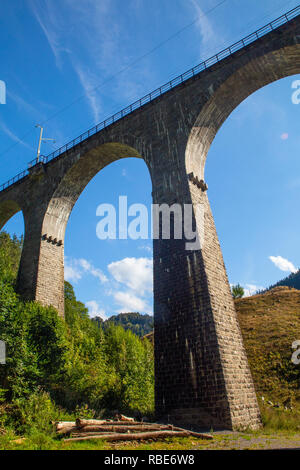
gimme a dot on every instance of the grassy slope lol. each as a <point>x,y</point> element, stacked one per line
<point>270,323</point>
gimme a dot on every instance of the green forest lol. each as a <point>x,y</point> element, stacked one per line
<point>57,369</point>
<point>139,324</point>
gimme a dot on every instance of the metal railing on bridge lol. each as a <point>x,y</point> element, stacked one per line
<point>163,89</point>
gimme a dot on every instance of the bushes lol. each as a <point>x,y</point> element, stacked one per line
<point>10,253</point>
<point>132,362</point>
<point>34,413</point>
<point>71,363</point>
<point>280,419</point>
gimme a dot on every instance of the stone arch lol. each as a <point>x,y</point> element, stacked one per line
<point>80,170</point>
<point>75,180</point>
<point>8,209</point>
<point>250,77</point>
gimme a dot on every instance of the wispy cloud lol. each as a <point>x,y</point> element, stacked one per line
<point>130,283</point>
<point>95,310</point>
<point>93,46</point>
<point>251,289</point>
<point>129,302</point>
<point>205,27</point>
<point>88,82</point>
<point>13,136</point>
<point>75,269</point>
<point>48,17</point>
<point>82,44</point>
<point>89,268</point>
<point>283,264</point>
<point>22,104</point>
<point>72,274</point>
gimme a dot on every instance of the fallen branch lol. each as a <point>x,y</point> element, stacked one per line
<point>140,436</point>
<point>204,435</point>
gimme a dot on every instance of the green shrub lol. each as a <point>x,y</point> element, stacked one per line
<point>72,364</point>
<point>280,419</point>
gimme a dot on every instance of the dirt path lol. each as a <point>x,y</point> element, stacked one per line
<point>243,441</point>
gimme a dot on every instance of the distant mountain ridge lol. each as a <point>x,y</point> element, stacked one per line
<point>134,321</point>
<point>293,280</point>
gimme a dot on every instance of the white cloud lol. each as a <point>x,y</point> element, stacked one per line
<point>251,289</point>
<point>76,268</point>
<point>21,103</point>
<point>89,81</point>
<point>129,302</point>
<point>88,267</point>
<point>71,274</point>
<point>135,273</point>
<point>48,19</point>
<point>91,36</point>
<point>95,310</point>
<point>13,136</point>
<point>207,33</point>
<point>283,264</point>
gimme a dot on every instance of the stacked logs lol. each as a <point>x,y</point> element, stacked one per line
<point>121,429</point>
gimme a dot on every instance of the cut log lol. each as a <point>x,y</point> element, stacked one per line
<point>91,435</point>
<point>63,424</point>
<point>140,436</point>
<point>126,418</point>
<point>80,423</point>
<point>67,430</point>
<point>124,428</point>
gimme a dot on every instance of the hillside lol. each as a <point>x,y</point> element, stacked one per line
<point>270,323</point>
<point>293,280</point>
<point>137,323</point>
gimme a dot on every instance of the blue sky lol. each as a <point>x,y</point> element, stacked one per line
<point>69,64</point>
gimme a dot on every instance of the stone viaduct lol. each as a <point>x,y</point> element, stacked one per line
<point>201,369</point>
